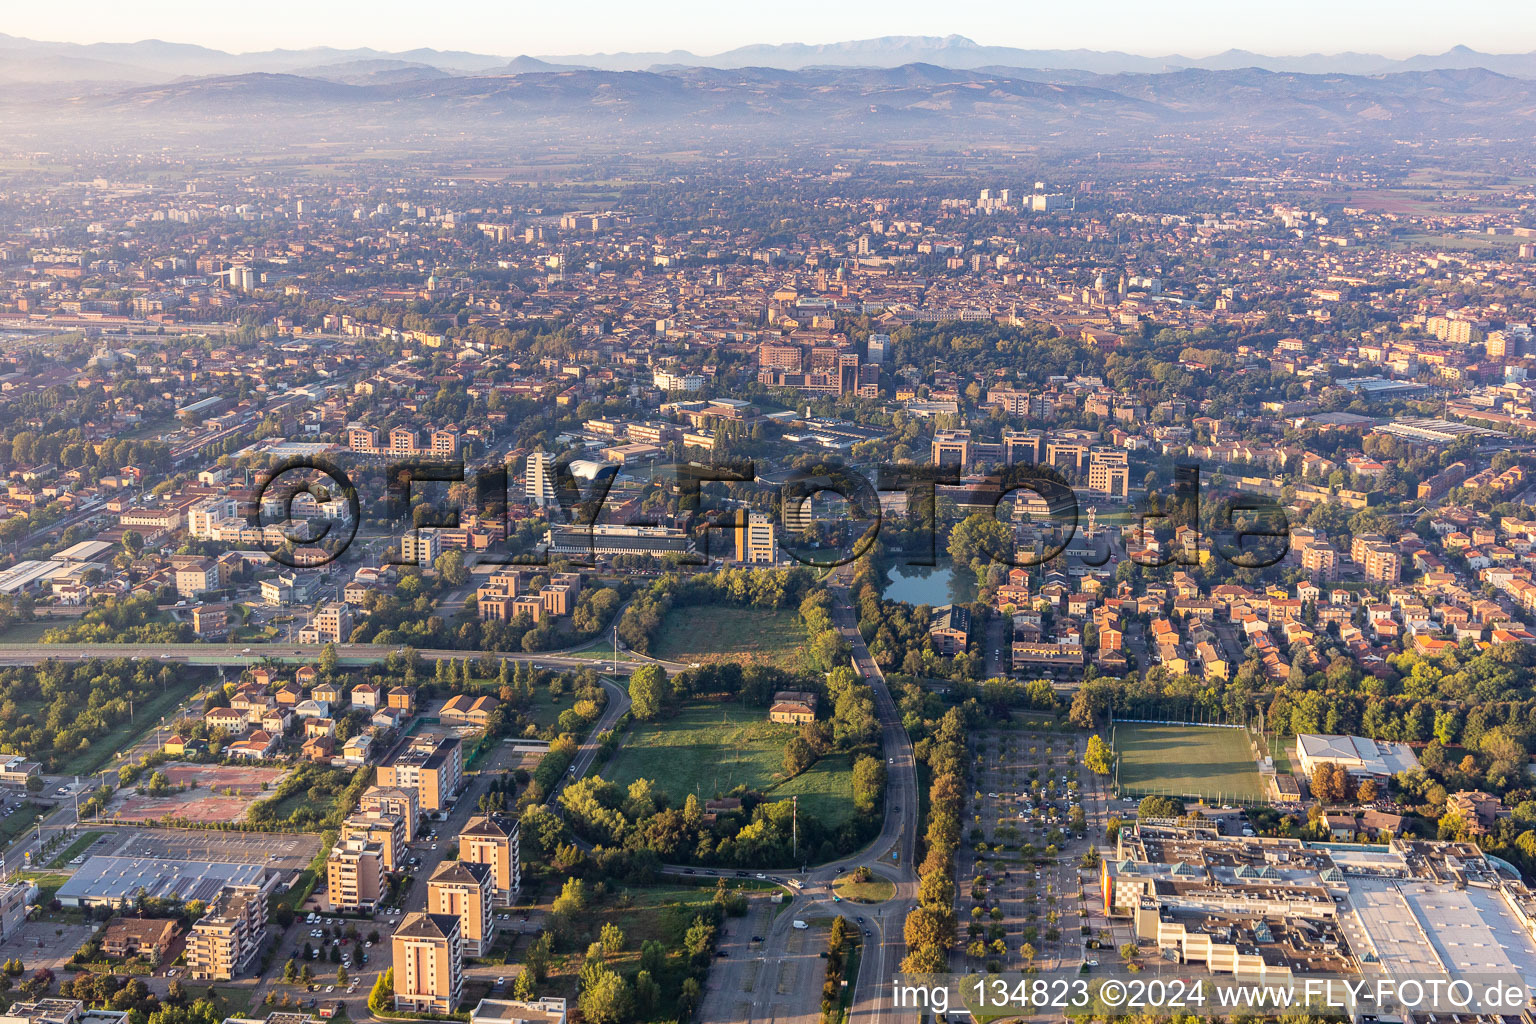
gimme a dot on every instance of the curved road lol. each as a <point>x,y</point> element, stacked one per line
<point>779,979</point>
<point>784,949</point>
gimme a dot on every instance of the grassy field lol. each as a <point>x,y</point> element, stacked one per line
<point>876,890</point>
<point>1280,748</point>
<point>27,632</point>
<point>1178,760</point>
<point>825,790</point>
<point>18,821</point>
<point>707,632</point>
<point>546,709</point>
<point>706,749</point>
<point>48,883</point>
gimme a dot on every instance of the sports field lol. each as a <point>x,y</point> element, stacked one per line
<point>1186,760</point>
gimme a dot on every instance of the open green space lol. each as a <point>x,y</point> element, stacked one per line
<point>18,821</point>
<point>661,913</point>
<point>825,790</point>
<point>27,632</point>
<point>123,735</point>
<point>545,710</point>
<point>229,1001</point>
<point>876,890</point>
<point>1280,748</point>
<point>711,748</point>
<point>1186,760</point>
<point>1456,241</point>
<point>48,884</point>
<point>706,632</point>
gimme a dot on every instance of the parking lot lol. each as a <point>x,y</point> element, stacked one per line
<point>280,851</point>
<point>1018,873</point>
<point>45,944</point>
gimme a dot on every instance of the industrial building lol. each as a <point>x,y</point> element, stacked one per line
<point>116,881</point>
<point>1361,757</point>
<point>1286,909</point>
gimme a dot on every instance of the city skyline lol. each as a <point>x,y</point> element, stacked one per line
<point>1199,28</point>
<point>503,520</point>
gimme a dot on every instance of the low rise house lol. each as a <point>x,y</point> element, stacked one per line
<point>793,706</point>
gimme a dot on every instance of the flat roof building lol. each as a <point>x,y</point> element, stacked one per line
<point>1285,909</point>
<point>549,1010</point>
<point>1358,755</point>
<point>116,881</point>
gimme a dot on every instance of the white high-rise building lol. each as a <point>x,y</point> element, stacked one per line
<point>539,484</point>
<point>204,518</point>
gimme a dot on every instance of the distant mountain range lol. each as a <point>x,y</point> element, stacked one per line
<point>842,93</point>
<point>154,61</point>
<point>915,102</point>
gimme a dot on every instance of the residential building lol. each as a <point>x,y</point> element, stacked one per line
<point>135,936</point>
<point>792,706</point>
<point>354,875</point>
<point>463,889</point>
<point>431,765</point>
<point>224,943</point>
<point>428,963</point>
<point>420,547</point>
<point>493,839</point>
<point>950,629</point>
<point>197,577</point>
<point>384,800</point>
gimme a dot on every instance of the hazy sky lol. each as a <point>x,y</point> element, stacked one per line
<point>1191,27</point>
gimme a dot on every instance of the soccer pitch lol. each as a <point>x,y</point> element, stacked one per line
<point>1187,760</point>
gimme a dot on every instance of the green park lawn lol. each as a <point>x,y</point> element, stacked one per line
<point>704,748</point>
<point>825,790</point>
<point>706,632</point>
<point>711,748</point>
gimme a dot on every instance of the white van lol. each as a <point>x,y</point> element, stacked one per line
<point>801,925</point>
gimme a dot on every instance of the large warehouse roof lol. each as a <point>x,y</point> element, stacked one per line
<point>118,879</point>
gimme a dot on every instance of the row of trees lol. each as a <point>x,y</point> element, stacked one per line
<point>930,928</point>
<point>55,710</point>
<point>653,694</point>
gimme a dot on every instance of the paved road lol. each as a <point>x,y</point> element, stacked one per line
<point>884,948</point>
<point>779,979</point>
<point>241,654</point>
<point>586,754</point>
<point>998,640</point>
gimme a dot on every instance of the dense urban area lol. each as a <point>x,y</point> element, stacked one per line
<point>505,583</point>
